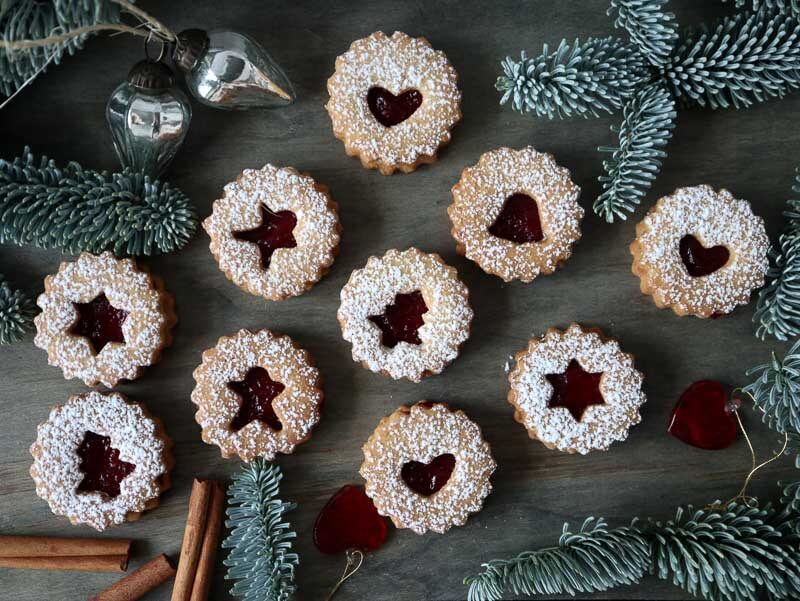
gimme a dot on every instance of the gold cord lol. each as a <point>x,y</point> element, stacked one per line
<point>354,560</point>
<point>742,496</point>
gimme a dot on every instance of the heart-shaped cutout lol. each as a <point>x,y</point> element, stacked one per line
<point>389,109</point>
<point>518,220</point>
<point>349,520</point>
<point>701,417</point>
<point>698,259</point>
<point>428,478</point>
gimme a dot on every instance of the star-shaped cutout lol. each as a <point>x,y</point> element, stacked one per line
<point>99,322</point>
<point>274,232</point>
<point>256,391</point>
<point>575,389</point>
<point>100,463</point>
<point>401,320</point>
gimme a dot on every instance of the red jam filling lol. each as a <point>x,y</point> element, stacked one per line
<point>99,322</point>
<point>389,109</point>
<point>518,221</point>
<point>100,463</point>
<point>257,391</point>
<point>701,417</point>
<point>349,520</point>
<point>402,319</point>
<point>274,232</point>
<point>428,478</point>
<point>575,389</point>
<point>698,259</point>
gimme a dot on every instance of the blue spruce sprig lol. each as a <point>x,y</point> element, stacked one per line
<point>593,559</point>
<point>16,313</point>
<point>261,561</point>
<point>77,209</point>
<point>582,79</point>
<point>778,309</point>
<point>649,118</point>
<point>650,28</point>
<point>776,390</point>
<point>34,19</point>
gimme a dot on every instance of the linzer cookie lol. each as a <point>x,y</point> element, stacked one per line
<point>516,213</point>
<point>393,101</point>
<point>257,395</point>
<point>101,460</point>
<point>405,313</point>
<point>700,252</point>
<point>275,232</point>
<point>427,467</point>
<point>575,390</point>
<point>103,319</point>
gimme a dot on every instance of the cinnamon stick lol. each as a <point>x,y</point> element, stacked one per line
<point>91,563</point>
<point>52,546</point>
<point>208,552</point>
<point>192,540</point>
<point>134,586</point>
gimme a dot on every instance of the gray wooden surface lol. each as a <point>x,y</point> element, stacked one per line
<point>751,152</point>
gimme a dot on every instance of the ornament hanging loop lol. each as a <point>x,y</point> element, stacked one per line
<point>161,53</point>
<point>355,557</point>
<point>742,495</point>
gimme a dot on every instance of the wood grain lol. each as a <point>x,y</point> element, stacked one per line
<point>751,152</point>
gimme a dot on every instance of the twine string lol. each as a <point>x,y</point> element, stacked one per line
<point>152,27</point>
<point>742,495</point>
<point>354,560</point>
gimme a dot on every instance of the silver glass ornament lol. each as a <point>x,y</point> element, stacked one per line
<point>148,117</point>
<point>228,70</point>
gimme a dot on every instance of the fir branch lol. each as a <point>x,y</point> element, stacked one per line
<point>786,6</point>
<point>776,391</point>
<point>790,496</point>
<point>16,313</point>
<point>78,209</point>
<point>651,29</point>
<point>778,309</point>
<point>648,121</point>
<point>593,559</point>
<point>261,560</point>
<point>734,554</point>
<point>579,79</point>
<point>742,59</point>
<point>26,19</point>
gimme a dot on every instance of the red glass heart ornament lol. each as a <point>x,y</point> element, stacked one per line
<point>702,417</point>
<point>349,520</point>
<point>518,220</point>
<point>428,478</point>
<point>389,109</point>
<point>698,259</point>
<point>100,322</point>
<point>103,470</point>
<point>401,320</point>
<point>274,232</point>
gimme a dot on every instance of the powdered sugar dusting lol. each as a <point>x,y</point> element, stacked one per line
<point>446,323</point>
<point>297,406</point>
<point>56,464</point>
<point>421,433</point>
<point>479,196</point>
<point>397,63</point>
<point>291,270</point>
<point>601,425</point>
<point>714,218</point>
<point>146,329</point>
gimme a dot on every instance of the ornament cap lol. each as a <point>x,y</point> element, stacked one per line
<point>190,47</point>
<point>151,76</point>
